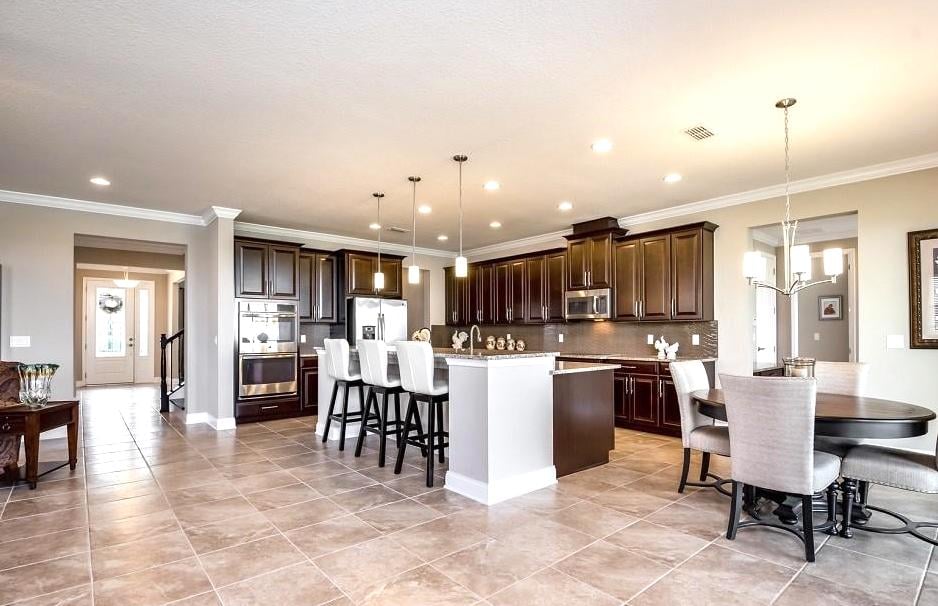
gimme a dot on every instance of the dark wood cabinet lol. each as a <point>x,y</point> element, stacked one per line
<point>456,305</point>
<point>266,270</point>
<point>655,301</point>
<point>535,309</point>
<point>317,284</point>
<point>502,292</point>
<point>620,398</point>
<point>517,290</point>
<point>628,276</point>
<point>360,274</point>
<point>669,410</point>
<point>643,401</point>
<point>355,271</point>
<point>309,385</point>
<point>554,287</point>
<point>692,274</point>
<point>577,254</point>
<point>481,295</point>
<point>589,262</point>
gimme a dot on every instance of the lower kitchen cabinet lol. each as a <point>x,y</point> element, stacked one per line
<point>309,385</point>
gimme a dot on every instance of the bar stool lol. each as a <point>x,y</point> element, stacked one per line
<point>340,371</point>
<point>373,358</point>
<point>415,359</point>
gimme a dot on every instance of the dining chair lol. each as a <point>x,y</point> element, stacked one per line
<point>904,469</point>
<point>698,432</point>
<point>771,428</point>
<point>844,378</point>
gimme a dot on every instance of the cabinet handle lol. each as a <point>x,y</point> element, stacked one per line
<point>672,307</point>
<point>269,407</point>
<point>635,308</point>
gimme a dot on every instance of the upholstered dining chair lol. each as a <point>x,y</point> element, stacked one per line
<point>9,396</point>
<point>905,469</point>
<point>771,427</point>
<point>698,432</point>
<point>845,378</point>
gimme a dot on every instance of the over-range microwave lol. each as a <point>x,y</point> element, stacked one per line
<point>594,304</point>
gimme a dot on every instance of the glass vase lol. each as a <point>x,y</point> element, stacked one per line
<point>36,383</point>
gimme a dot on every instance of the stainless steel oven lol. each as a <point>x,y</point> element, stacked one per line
<point>269,374</point>
<point>595,304</point>
<point>267,327</point>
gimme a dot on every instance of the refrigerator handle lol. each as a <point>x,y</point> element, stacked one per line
<point>380,326</point>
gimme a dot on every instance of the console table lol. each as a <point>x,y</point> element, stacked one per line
<point>31,422</point>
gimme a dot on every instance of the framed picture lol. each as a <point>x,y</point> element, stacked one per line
<point>923,289</point>
<point>830,307</point>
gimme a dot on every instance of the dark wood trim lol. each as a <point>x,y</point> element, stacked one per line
<point>704,225</point>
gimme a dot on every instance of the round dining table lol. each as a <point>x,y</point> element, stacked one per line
<point>844,416</point>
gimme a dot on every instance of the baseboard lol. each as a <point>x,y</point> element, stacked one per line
<point>222,424</point>
<point>502,490</point>
<point>194,418</point>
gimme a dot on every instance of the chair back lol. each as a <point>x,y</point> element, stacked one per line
<point>689,376</point>
<point>845,378</point>
<point>9,382</point>
<point>373,358</point>
<point>771,425</point>
<point>415,359</point>
<point>339,359</point>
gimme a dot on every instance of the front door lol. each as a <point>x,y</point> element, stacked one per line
<point>119,332</point>
<point>765,333</point>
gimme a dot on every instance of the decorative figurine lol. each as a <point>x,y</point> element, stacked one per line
<point>520,345</point>
<point>459,339</point>
<point>421,334</point>
<point>500,343</point>
<point>666,351</point>
<point>510,344</point>
<point>490,342</point>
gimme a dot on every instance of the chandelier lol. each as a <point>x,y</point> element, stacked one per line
<point>797,257</point>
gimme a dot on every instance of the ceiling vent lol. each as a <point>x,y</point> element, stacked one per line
<point>398,230</point>
<point>699,132</point>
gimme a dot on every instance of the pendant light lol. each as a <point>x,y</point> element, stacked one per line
<point>413,272</point>
<point>126,282</point>
<point>379,275</point>
<point>462,265</point>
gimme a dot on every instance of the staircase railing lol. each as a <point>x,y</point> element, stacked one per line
<point>172,367</point>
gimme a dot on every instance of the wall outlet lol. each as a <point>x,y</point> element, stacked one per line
<point>695,339</point>
<point>651,339</point>
<point>892,341</point>
<point>302,338</point>
<point>508,336</point>
<point>560,338</point>
<point>817,336</point>
<point>19,341</point>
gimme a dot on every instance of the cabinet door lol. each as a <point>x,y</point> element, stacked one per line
<point>517,291</point>
<point>391,268</point>
<point>643,405</point>
<point>620,395</point>
<point>310,386</point>
<point>487,294</point>
<point>536,307</point>
<point>554,287</point>
<point>627,280</point>
<point>449,304</point>
<point>687,275</point>
<point>670,410</point>
<point>326,302</point>
<point>577,253</point>
<point>360,274</point>
<point>462,301</point>
<point>284,264</point>
<point>251,279</point>
<point>656,278</point>
<point>502,292</point>
<point>307,286</point>
<point>599,261</point>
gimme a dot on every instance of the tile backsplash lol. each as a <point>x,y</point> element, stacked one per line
<point>600,337</point>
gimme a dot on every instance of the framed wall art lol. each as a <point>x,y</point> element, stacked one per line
<point>923,289</point>
<point>830,307</point>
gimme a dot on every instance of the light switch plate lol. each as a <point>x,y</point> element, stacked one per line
<point>19,341</point>
<point>302,338</point>
<point>895,341</point>
<point>817,336</point>
<point>560,338</point>
<point>508,336</point>
<point>651,339</point>
<point>695,339</point>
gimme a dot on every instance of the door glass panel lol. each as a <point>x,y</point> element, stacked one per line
<point>110,322</point>
<point>263,370</point>
<point>143,322</point>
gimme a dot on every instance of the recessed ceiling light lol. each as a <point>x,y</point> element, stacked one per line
<point>672,178</point>
<point>565,206</point>
<point>100,181</point>
<point>495,224</point>
<point>491,186</point>
<point>442,237</point>
<point>425,209</point>
<point>375,226</point>
<point>601,146</point>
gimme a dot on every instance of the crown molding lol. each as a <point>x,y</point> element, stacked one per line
<point>301,235</point>
<point>219,212</point>
<point>102,208</point>
<point>519,243</point>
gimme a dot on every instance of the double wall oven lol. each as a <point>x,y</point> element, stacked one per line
<point>267,349</point>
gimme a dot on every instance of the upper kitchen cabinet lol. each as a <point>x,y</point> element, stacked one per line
<point>545,279</point>
<point>358,271</point>
<point>589,253</point>
<point>555,286</point>
<point>481,285</point>
<point>266,270</point>
<point>665,275</point>
<point>318,288</point>
<point>457,298</point>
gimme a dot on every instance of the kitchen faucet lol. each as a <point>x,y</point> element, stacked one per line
<point>475,330</point>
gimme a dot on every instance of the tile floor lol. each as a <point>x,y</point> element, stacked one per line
<point>161,513</point>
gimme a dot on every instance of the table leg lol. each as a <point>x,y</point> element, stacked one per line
<point>31,439</point>
<point>73,443</point>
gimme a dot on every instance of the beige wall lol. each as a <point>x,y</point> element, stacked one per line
<point>129,258</point>
<point>160,309</point>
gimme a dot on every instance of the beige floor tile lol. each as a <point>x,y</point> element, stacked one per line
<point>54,545</point>
<point>414,485</point>
<point>701,523</point>
<point>904,549</point>
<point>366,498</point>
<point>424,585</point>
<point>281,497</point>
<point>159,585</point>
<point>249,559</point>
<point>127,508</point>
<point>299,584</point>
<point>444,501</point>
<point>43,524</point>
<point>544,540</point>
<point>303,514</point>
<point>630,502</point>
<point>118,477</point>
<point>667,546</point>
<point>440,537</point>
<point>332,535</point>
<point>551,588</point>
<point>340,483</point>
<point>145,553</point>
<point>47,488</point>
<point>643,466</point>
<point>806,590</point>
<point>205,493</point>
<point>44,577</point>
<point>612,570</point>
<point>869,574</point>
<point>318,471</point>
<point>248,469</point>
<point>776,546</point>
<point>206,513</point>
<point>359,566</point>
<point>592,519</point>
<point>104,533</point>
<point>264,481</point>
<point>229,532</point>
<point>117,492</point>
<point>582,486</point>
<point>398,515</point>
<point>203,599</point>
<point>679,588</point>
<point>487,567</point>
<point>545,501</point>
<point>758,579</point>
<point>80,595</point>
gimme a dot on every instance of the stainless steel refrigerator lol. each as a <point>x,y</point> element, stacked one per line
<point>374,318</point>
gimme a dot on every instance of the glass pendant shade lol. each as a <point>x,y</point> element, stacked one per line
<point>801,261</point>
<point>754,266</point>
<point>462,267</point>
<point>833,261</point>
<point>379,280</point>
<point>413,274</point>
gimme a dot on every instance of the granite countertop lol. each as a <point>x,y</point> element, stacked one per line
<point>634,358</point>
<point>447,352</point>
<point>566,368</point>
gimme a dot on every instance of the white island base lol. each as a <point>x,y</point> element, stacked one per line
<point>500,425</point>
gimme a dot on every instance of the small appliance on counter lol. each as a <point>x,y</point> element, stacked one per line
<point>373,318</point>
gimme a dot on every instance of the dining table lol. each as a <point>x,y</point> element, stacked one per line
<point>839,416</point>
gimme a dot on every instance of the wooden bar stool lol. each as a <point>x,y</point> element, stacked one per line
<point>373,358</point>
<point>340,371</point>
<point>415,360</point>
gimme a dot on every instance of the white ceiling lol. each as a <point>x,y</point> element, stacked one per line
<point>296,111</point>
<point>819,229</point>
